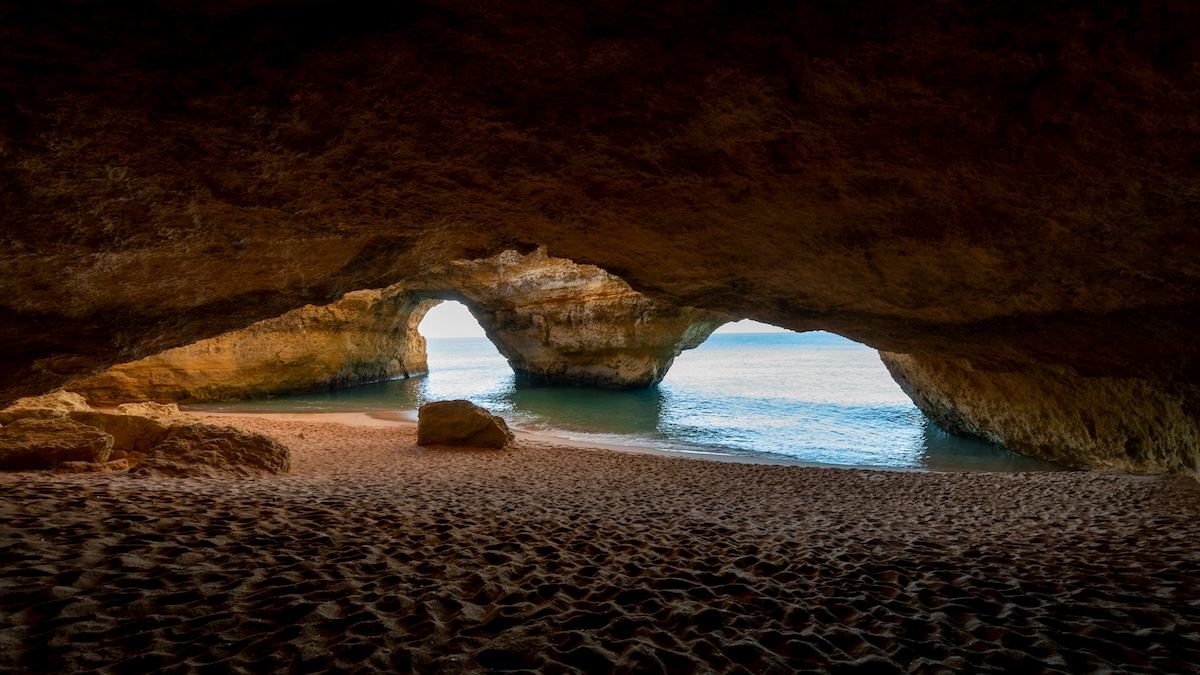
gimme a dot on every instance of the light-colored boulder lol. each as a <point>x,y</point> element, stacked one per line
<point>461,423</point>
<point>149,409</point>
<point>55,404</point>
<point>34,443</point>
<point>131,433</point>
<point>211,451</point>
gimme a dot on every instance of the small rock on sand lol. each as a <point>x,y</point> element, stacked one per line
<point>461,423</point>
<point>149,409</point>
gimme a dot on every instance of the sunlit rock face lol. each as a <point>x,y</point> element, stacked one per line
<point>554,320</point>
<point>367,336</point>
<point>563,323</point>
<point>1009,186</point>
<point>1126,424</point>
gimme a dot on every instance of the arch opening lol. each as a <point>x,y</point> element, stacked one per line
<point>449,319</point>
<point>815,396</point>
<point>750,390</point>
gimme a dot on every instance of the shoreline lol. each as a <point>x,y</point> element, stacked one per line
<point>378,418</point>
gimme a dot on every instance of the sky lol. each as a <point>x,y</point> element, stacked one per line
<point>451,319</point>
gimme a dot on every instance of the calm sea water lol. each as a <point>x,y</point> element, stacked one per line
<point>814,397</point>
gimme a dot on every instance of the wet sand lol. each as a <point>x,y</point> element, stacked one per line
<point>375,554</point>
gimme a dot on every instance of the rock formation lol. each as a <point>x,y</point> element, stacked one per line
<point>1011,187</point>
<point>34,443</point>
<point>92,467</point>
<point>1060,416</point>
<point>60,431</point>
<point>552,319</point>
<point>461,423</point>
<point>54,404</point>
<point>367,336</point>
<point>210,451</point>
<point>564,323</point>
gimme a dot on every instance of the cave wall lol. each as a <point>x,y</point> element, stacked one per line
<point>367,336</point>
<point>555,321</point>
<point>1010,186</point>
<point>1125,424</point>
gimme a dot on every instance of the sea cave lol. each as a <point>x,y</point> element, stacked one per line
<point>208,201</point>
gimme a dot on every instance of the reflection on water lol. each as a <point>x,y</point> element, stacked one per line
<point>813,397</point>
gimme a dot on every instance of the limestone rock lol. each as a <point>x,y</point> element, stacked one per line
<point>461,423</point>
<point>149,409</point>
<point>92,467</point>
<point>1098,422</point>
<point>553,320</point>
<point>131,433</point>
<point>367,336</point>
<point>210,451</point>
<point>564,323</point>
<point>34,443</point>
<point>55,404</point>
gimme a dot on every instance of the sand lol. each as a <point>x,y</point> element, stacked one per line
<point>375,554</point>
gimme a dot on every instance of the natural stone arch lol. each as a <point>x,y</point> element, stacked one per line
<point>555,321</point>
<point>563,323</point>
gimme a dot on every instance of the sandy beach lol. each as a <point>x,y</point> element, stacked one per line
<point>376,554</point>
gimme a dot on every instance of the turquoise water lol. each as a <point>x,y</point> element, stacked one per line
<point>813,397</point>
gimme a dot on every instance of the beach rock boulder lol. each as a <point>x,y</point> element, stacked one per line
<point>55,404</point>
<point>149,409</point>
<point>210,451</point>
<point>461,423</point>
<point>132,434</point>
<point>33,443</point>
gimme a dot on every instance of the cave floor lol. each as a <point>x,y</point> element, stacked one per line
<point>375,554</point>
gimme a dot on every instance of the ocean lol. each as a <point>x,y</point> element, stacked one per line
<point>810,397</point>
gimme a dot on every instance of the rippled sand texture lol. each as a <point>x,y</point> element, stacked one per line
<point>379,555</point>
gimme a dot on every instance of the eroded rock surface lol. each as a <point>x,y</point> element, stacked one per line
<point>205,450</point>
<point>1098,422</point>
<point>553,320</point>
<point>39,443</point>
<point>60,431</point>
<point>149,409</point>
<point>55,404</point>
<point>1011,186</point>
<point>461,423</point>
<point>564,323</point>
<point>92,467</point>
<point>367,336</point>
<point>133,435</point>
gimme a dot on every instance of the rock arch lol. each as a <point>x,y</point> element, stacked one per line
<point>555,321</point>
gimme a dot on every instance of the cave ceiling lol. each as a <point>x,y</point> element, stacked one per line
<point>973,180</point>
